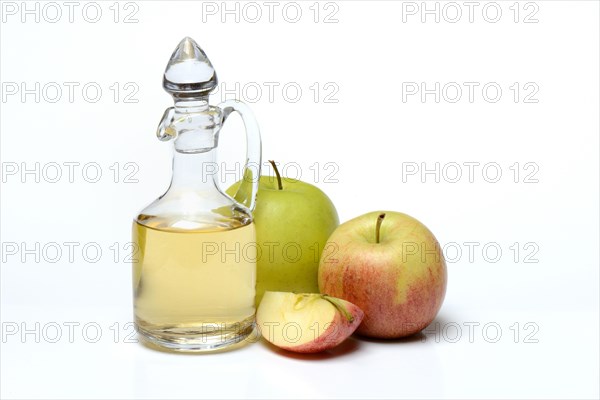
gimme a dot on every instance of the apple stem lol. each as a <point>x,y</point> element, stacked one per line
<point>277,173</point>
<point>378,227</point>
<point>340,306</point>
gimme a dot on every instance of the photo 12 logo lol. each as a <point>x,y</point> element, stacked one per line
<point>317,172</point>
<point>69,92</point>
<point>67,332</point>
<point>490,332</point>
<point>470,172</point>
<point>271,92</point>
<point>453,12</point>
<point>69,172</point>
<point>253,12</point>
<point>469,92</point>
<point>68,252</point>
<point>53,12</point>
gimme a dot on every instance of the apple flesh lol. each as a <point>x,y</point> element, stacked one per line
<point>293,221</point>
<point>390,266</point>
<point>307,322</point>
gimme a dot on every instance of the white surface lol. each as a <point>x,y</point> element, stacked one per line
<point>368,134</point>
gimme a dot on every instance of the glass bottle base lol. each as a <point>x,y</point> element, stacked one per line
<point>197,339</point>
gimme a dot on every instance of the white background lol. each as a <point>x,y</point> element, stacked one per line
<point>372,134</point>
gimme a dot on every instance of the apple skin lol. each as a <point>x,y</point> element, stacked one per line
<point>399,283</point>
<point>339,330</point>
<point>300,216</point>
<point>340,325</point>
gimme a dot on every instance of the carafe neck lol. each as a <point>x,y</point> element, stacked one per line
<point>188,104</point>
<point>196,126</point>
<point>194,171</point>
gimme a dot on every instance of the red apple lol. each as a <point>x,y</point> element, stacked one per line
<point>391,266</point>
<point>306,323</point>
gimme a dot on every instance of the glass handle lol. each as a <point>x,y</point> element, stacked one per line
<point>246,193</point>
<point>165,132</point>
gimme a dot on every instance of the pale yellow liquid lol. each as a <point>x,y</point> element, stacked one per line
<point>194,288</point>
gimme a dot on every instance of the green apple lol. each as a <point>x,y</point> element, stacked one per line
<point>391,266</point>
<point>293,222</point>
<point>306,322</point>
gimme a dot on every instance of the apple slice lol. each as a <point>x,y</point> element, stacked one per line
<point>306,322</point>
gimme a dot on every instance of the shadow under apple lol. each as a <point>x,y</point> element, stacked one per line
<point>414,338</point>
<point>353,343</point>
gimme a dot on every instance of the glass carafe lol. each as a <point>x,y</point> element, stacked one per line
<point>194,272</point>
